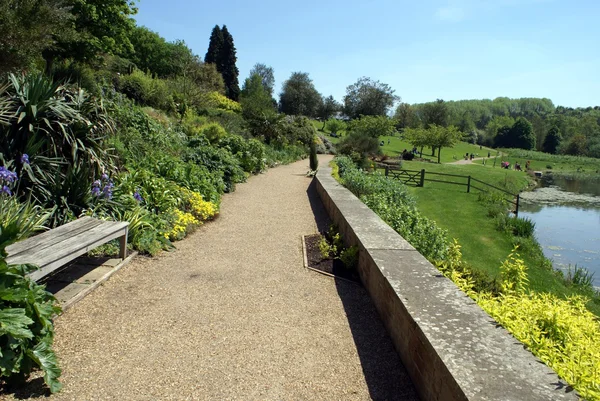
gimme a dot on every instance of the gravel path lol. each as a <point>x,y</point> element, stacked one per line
<point>231,314</point>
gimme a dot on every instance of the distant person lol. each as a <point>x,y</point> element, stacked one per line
<point>480,147</point>
<point>489,154</point>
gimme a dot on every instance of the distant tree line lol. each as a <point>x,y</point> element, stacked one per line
<point>528,123</point>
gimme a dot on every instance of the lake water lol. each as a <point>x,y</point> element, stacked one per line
<point>567,218</point>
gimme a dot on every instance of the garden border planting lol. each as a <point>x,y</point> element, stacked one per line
<point>451,348</point>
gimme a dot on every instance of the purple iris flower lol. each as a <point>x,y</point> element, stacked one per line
<point>6,190</point>
<point>138,197</point>
<point>7,175</point>
<point>25,158</point>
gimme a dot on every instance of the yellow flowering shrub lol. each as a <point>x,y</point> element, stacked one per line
<point>217,101</point>
<point>563,333</point>
<point>197,206</point>
<point>182,224</point>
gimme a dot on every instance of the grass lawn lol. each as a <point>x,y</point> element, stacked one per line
<point>449,155</point>
<point>556,163</point>
<point>465,218</point>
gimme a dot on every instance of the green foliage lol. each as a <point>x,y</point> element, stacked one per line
<point>372,126</point>
<point>25,218</point>
<point>296,130</point>
<point>267,76</point>
<point>95,33</point>
<point>433,113</point>
<point>27,28</point>
<point>513,274</point>
<point>314,161</point>
<point>349,257</point>
<point>561,332</point>
<point>213,132</point>
<point>151,52</point>
<point>62,131</point>
<point>552,141</point>
<point>334,125</point>
<point>214,100</point>
<point>367,97</point>
<point>26,312</point>
<point>392,202</point>
<point>405,117</point>
<point>327,108</point>
<point>299,97</point>
<point>362,141</point>
<point>580,277</point>
<point>146,90</point>
<point>225,62</point>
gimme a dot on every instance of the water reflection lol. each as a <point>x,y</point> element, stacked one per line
<point>567,218</point>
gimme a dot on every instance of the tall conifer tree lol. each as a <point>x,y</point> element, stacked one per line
<point>228,69</point>
<point>214,47</point>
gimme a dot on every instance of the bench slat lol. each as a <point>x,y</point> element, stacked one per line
<point>52,237</point>
<point>56,263</point>
<point>70,245</point>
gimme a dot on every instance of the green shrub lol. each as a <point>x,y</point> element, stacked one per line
<point>391,201</point>
<point>334,125</point>
<point>349,257</point>
<point>250,153</point>
<point>26,312</point>
<point>517,226</point>
<point>580,277</point>
<point>216,160</point>
<point>146,90</point>
<point>284,154</point>
<point>314,161</point>
<point>213,132</point>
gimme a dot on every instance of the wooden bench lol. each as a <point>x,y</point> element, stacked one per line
<point>55,248</point>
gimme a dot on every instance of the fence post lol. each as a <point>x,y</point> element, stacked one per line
<point>422,182</point>
<point>387,170</point>
<point>517,206</point>
<point>469,184</point>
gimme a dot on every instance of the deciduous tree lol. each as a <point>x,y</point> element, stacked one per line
<point>28,27</point>
<point>552,141</point>
<point>267,75</point>
<point>369,98</point>
<point>327,108</point>
<point>100,27</point>
<point>299,96</point>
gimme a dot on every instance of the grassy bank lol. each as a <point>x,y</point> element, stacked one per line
<point>557,164</point>
<point>466,218</point>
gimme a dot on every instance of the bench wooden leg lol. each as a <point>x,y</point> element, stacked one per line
<point>123,246</point>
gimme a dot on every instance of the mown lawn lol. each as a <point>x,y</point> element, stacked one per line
<point>556,163</point>
<point>397,145</point>
<point>466,219</point>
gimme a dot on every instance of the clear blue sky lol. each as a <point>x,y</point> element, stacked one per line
<point>427,49</point>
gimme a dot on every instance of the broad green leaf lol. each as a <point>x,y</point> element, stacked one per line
<point>46,359</point>
<point>14,321</point>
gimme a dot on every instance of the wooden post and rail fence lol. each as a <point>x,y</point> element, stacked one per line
<point>417,178</point>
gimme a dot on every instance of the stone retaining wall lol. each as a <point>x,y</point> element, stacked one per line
<point>451,348</point>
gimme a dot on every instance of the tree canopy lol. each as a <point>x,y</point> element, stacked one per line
<point>267,76</point>
<point>369,98</point>
<point>298,96</point>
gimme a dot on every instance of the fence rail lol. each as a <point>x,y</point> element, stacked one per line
<point>417,178</point>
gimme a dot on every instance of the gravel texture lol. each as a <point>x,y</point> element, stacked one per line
<point>231,315</point>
